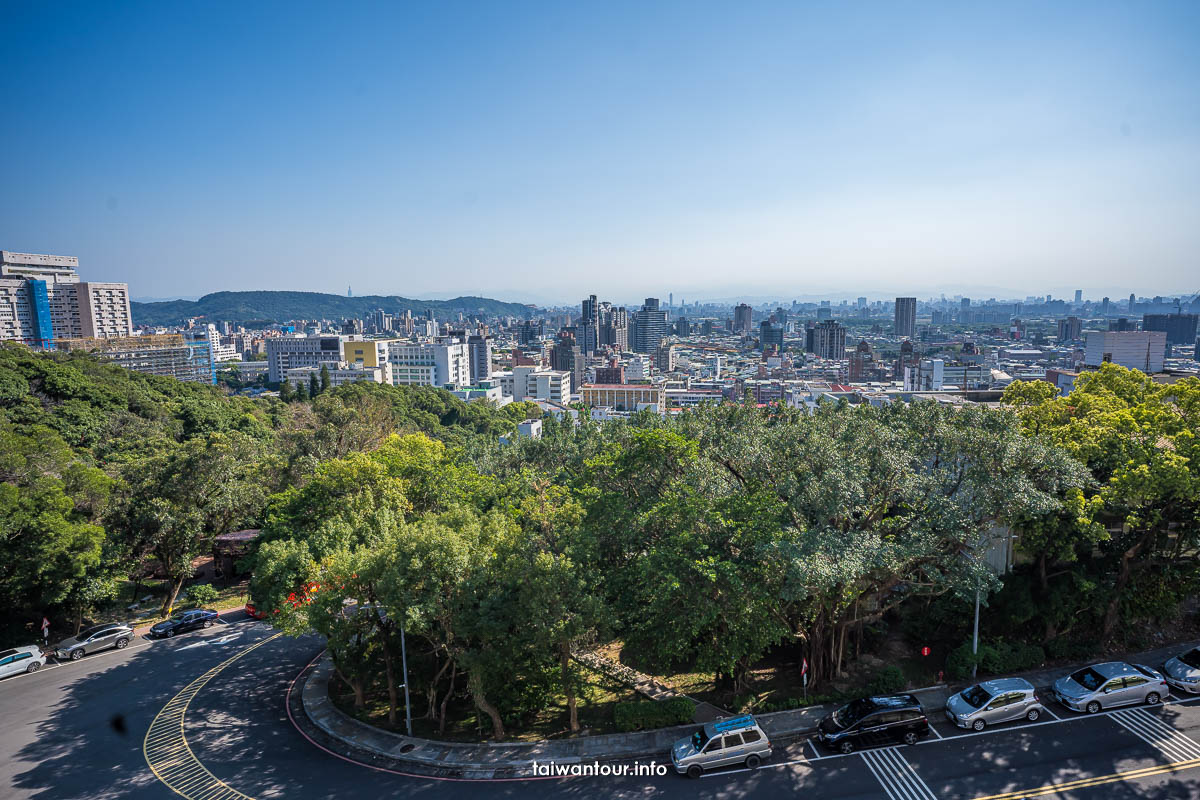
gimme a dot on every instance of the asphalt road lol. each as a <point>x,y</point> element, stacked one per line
<point>78,731</point>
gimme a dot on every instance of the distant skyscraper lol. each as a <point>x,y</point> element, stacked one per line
<point>1132,301</point>
<point>1179,328</point>
<point>651,327</point>
<point>906,317</point>
<point>770,335</point>
<point>1104,304</point>
<point>1078,296</point>
<point>670,299</point>
<point>827,339</point>
<point>742,319</point>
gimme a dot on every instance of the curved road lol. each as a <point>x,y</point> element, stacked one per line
<point>78,731</point>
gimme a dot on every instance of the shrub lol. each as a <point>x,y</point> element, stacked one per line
<point>993,658</point>
<point>646,714</point>
<point>202,594</point>
<point>890,679</point>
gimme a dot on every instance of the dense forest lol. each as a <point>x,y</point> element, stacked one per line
<point>267,307</point>
<point>708,541</point>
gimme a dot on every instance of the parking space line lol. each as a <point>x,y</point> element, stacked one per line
<point>816,753</point>
<point>897,777</point>
<point>933,728</point>
<point>1158,734</point>
<point>1046,706</point>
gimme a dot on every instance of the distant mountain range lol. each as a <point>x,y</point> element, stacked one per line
<point>278,307</point>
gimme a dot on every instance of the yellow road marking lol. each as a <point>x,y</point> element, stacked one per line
<point>1099,780</point>
<point>168,753</point>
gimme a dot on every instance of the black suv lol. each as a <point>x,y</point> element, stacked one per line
<point>184,621</point>
<point>874,722</point>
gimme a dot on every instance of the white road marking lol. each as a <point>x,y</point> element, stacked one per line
<point>935,731</point>
<point>1046,708</point>
<point>897,777</point>
<point>1158,734</point>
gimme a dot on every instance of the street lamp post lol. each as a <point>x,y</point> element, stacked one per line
<point>404,665</point>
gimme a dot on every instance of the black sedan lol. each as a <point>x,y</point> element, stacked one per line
<point>182,621</point>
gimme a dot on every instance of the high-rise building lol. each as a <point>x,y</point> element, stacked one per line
<point>479,349</point>
<point>612,373</point>
<point>444,363</point>
<point>1078,296</point>
<point>1179,328</point>
<point>770,336</point>
<point>566,356</point>
<point>906,317</point>
<point>286,352</point>
<point>664,360</point>
<point>827,339</point>
<point>1132,302</point>
<point>1070,329</point>
<point>1104,305</point>
<point>1142,350</point>
<point>651,327</point>
<point>42,299</point>
<point>743,316</point>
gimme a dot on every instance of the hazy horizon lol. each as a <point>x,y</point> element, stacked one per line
<point>543,152</point>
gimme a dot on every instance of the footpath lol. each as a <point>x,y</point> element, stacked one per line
<point>359,741</point>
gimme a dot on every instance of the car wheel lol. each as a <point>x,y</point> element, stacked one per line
<point>752,761</point>
<point>208,623</point>
<point>34,667</point>
<point>911,737</point>
<point>77,654</point>
<point>121,643</point>
<point>1152,699</point>
<point>846,748</point>
<point>1093,707</point>
<point>695,771</point>
<point>170,633</point>
<point>1033,715</point>
<point>978,724</point>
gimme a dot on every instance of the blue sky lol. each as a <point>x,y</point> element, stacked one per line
<point>549,150</point>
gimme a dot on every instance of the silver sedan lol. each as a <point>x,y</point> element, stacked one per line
<point>1111,684</point>
<point>1001,700</point>
<point>1183,671</point>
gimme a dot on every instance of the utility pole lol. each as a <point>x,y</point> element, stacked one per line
<point>404,665</point>
<point>974,639</point>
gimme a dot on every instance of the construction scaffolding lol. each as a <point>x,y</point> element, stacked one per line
<point>170,355</point>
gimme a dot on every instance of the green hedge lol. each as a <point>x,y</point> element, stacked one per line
<point>646,714</point>
<point>993,658</point>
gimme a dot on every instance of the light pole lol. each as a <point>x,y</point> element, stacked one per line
<point>404,665</point>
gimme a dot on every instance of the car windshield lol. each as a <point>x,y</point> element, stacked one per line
<point>1191,658</point>
<point>699,739</point>
<point>851,713</point>
<point>1088,678</point>
<point>976,696</point>
<point>92,631</point>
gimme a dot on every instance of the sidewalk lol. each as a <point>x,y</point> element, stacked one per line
<point>516,759</point>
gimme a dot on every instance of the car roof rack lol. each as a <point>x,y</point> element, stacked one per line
<point>736,722</point>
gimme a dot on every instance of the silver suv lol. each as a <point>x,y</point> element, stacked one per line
<point>987,703</point>
<point>97,637</point>
<point>1113,683</point>
<point>721,744</point>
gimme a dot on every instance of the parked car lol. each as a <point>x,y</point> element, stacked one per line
<point>97,637</point>
<point>1001,700</point>
<point>21,659</point>
<point>1183,671</point>
<point>182,621</point>
<point>1111,684</point>
<point>874,722</point>
<point>721,744</point>
<point>253,611</point>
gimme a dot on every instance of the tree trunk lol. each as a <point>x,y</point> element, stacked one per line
<point>360,694</point>
<point>384,631</point>
<point>482,702</point>
<point>1043,581</point>
<point>446,699</point>
<point>172,593</point>
<point>1114,605</point>
<point>432,692</point>
<point>78,618</point>
<point>564,655</point>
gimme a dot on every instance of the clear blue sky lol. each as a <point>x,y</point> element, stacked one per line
<point>546,150</point>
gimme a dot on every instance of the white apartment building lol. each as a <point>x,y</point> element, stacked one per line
<point>43,300</point>
<point>536,383</point>
<point>637,366</point>
<point>443,364</point>
<point>339,372</point>
<point>1142,350</point>
<point>288,352</point>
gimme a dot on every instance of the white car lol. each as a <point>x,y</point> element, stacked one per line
<point>1183,671</point>
<point>21,659</point>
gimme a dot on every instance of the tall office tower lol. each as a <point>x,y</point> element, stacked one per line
<point>861,361</point>
<point>862,303</point>
<point>479,350</point>
<point>906,317</point>
<point>1078,296</point>
<point>566,356</point>
<point>614,328</point>
<point>770,336</point>
<point>743,316</point>
<point>1069,329</point>
<point>964,310</point>
<point>670,299</point>
<point>1132,302</point>
<point>42,299</point>
<point>665,360</point>
<point>651,327</point>
<point>1104,304</point>
<point>1179,328</point>
<point>828,339</point>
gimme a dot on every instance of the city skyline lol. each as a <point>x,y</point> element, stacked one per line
<point>465,150</point>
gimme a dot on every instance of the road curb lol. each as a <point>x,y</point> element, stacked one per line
<point>507,760</point>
